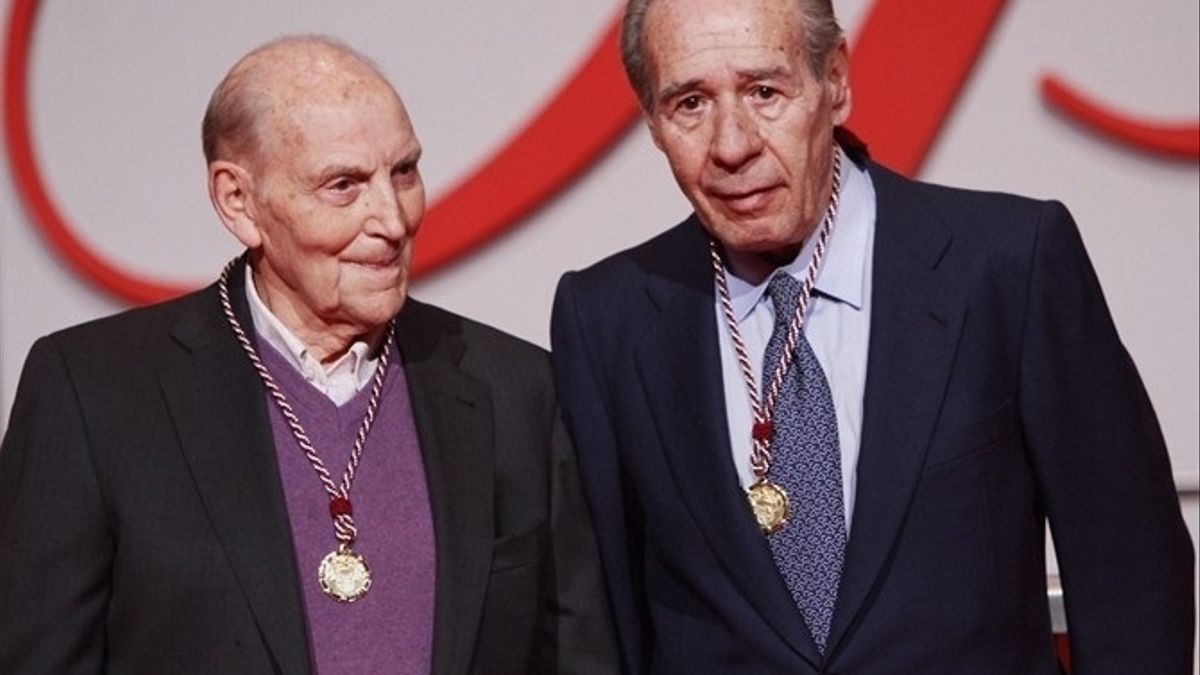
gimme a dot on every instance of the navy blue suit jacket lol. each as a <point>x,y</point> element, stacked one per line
<point>998,397</point>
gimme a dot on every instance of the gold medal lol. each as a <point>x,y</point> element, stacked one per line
<point>769,503</point>
<point>344,575</point>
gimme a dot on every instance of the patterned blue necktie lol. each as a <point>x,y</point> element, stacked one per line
<point>807,464</point>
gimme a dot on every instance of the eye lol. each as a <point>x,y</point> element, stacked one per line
<point>690,103</point>
<point>764,93</point>
<point>405,174</point>
<point>342,189</point>
<point>343,184</point>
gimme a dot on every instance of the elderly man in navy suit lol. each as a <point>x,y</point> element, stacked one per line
<point>824,420</point>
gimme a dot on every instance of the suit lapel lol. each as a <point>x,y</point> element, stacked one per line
<point>915,323</point>
<point>218,407</point>
<point>453,415</point>
<point>679,365</point>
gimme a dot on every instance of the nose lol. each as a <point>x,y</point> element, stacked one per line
<point>736,139</point>
<point>395,211</point>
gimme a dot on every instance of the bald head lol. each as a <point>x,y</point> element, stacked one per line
<point>312,166</point>
<point>262,87</point>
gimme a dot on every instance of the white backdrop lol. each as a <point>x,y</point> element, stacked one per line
<point>118,88</point>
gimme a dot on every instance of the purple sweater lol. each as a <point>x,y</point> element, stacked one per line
<point>390,629</point>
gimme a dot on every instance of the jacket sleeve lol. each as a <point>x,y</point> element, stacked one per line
<point>590,424</point>
<point>1103,471</point>
<point>581,621</point>
<point>55,544</point>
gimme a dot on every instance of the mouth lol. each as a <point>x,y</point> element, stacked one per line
<point>381,263</point>
<point>745,202</point>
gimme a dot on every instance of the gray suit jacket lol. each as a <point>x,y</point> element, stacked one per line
<point>143,526</point>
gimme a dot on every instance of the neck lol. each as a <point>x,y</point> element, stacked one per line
<point>328,346</point>
<point>325,342</point>
<point>755,267</point>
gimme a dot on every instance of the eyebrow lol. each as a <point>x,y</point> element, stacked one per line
<point>333,170</point>
<point>410,157</point>
<point>763,73</point>
<point>672,90</point>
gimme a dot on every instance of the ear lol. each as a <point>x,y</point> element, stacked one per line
<point>229,188</point>
<point>837,79</point>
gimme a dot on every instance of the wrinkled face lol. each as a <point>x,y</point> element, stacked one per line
<point>746,126</point>
<point>337,199</point>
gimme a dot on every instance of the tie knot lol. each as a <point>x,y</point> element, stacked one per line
<point>785,292</point>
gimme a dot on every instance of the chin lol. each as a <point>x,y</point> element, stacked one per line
<point>384,310</point>
<point>375,309</point>
<point>757,240</point>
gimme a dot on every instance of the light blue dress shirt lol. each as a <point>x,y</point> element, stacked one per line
<point>837,326</point>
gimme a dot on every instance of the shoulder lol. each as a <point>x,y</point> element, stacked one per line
<point>108,362</point>
<point>624,286</point>
<point>659,256</point>
<point>988,216</point>
<point>133,332</point>
<point>971,232</point>
<point>453,352</point>
<point>483,347</point>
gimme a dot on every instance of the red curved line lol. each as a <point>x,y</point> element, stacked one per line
<point>567,135</point>
<point>27,175</point>
<point>1178,140</point>
<point>909,63</point>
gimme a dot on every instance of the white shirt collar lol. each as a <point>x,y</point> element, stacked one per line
<point>340,380</point>
<point>841,275</point>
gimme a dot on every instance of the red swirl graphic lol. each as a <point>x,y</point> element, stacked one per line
<point>1180,140</point>
<point>908,65</point>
